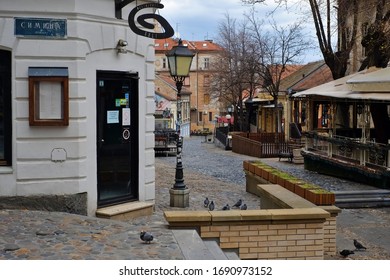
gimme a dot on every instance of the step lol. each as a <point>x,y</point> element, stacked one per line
<point>362,193</point>
<point>362,202</point>
<point>126,211</point>
<point>215,250</point>
<point>194,247</point>
<point>213,245</point>
<point>362,199</point>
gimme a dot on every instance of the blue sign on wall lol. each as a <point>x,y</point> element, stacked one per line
<point>41,27</point>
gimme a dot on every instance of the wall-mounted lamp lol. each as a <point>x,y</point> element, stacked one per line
<point>121,46</point>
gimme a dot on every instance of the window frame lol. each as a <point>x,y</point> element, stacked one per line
<point>36,77</point>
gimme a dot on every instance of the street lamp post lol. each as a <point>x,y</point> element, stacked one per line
<point>179,63</point>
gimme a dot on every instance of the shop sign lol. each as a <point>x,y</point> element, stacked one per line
<point>135,20</point>
<point>41,27</point>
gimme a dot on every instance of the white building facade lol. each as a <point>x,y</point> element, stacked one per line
<point>76,105</point>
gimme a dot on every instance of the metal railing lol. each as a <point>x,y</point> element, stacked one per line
<point>261,145</point>
<point>354,150</point>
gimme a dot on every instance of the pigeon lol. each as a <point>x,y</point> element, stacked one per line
<point>243,207</point>
<point>146,237</point>
<point>358,245</point>
<point>345,253</point>
<point>226,207</point>
<point>238,203</point>
<point>211,206</point>
<point>206,202</point>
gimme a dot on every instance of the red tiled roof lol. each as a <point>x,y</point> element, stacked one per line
<point>167,44</point>
<point>205,46</point>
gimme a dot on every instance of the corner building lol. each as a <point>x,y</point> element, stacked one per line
<point>76,106</point>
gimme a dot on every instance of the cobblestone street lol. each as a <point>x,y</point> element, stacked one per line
<point>210,172</point>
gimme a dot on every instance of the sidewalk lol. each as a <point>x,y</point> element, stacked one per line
<point>208,171</point>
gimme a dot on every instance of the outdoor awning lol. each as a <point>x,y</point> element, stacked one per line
<point>225,120</point>
<point>372,81</point>
<point>364,85</point>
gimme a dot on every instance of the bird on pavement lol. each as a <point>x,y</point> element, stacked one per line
<point>206,202</point>
<point>238,203</point>
<point>226,207</point>
<point>345,253</point>
<point>358,245</point>
<point>243,207</point>
<point>211,206</point>
<point>146,237</point>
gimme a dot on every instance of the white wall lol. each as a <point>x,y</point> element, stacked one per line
<point>92,35</point>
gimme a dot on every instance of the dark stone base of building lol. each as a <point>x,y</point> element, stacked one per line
<point>74,204</point>
<point>349,171</point>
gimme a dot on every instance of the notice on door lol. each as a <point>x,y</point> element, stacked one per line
<point>112,117</point>
<point>125,116</point>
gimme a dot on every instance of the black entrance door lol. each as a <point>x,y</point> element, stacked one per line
<point>117,137</point>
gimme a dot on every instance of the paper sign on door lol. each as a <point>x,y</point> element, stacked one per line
<point>112,117</point>
<point>125,116</point>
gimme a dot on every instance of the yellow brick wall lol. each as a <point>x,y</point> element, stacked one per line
<point>302,241</point>
<point>302,234</point>
<point>330,236</point>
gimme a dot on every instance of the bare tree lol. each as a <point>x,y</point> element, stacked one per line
<point>335,55</point>
<point>255,59</point>
<point>376,42</point>
<point>233,72</point>
<point>284,46</point>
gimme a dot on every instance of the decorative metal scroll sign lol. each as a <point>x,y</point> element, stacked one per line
<point>141,20</point>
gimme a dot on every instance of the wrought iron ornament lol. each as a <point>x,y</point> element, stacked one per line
<point>141,20</point>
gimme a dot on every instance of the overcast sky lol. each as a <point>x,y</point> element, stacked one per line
<point>199,19</point>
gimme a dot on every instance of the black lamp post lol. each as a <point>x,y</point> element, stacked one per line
<point>179,63</point>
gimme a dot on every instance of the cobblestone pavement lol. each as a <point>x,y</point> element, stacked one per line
<point>208,171</point>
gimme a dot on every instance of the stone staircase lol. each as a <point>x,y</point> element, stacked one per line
<point>363,199</point>
<point>194,247</point>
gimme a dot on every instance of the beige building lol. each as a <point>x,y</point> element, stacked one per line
<point>203,108</point>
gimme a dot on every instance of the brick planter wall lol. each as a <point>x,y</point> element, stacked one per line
<point>309,191</point>
<point>261,234</point>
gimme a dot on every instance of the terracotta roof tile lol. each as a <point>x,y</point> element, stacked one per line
<point>167,44</point>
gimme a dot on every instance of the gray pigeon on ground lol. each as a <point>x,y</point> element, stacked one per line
<point>211,206</point>
<point>243,207</point>
<point>345,253</point>
<point>206,202</point>
<point>358,245</point>
<point>226,207</point>
<point>238,203</point>
<point>146,237</point>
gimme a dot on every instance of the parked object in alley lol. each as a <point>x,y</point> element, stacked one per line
<point>146,237</point>
<point>358,245</point>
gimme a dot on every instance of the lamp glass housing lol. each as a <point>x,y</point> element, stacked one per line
<point>179,60</point>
